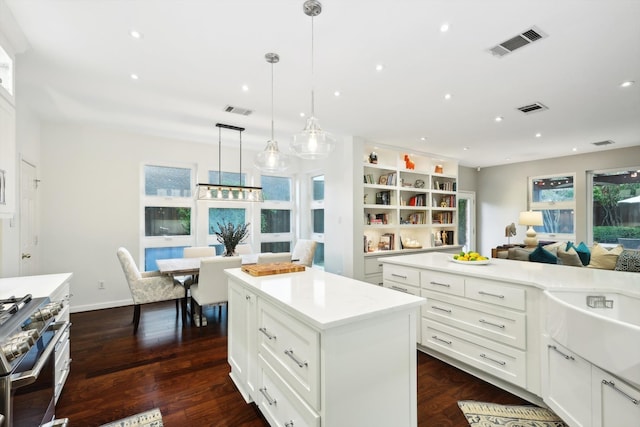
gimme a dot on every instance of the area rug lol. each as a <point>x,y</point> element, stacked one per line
<point>484,414</point>
<point>152,418</point>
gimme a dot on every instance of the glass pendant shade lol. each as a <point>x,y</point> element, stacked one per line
<point>271,159</point>
<point>312,143</point>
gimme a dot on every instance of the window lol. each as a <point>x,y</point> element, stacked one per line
<point>317,218</point>
<point>615,207</point>
<point>554,196</point>
<point>276,214</point>
<point>227,178</point>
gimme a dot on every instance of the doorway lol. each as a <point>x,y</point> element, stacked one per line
<point>467,220</point>
<point>28,220</point>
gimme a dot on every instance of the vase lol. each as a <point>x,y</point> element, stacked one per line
<point>229,251</point>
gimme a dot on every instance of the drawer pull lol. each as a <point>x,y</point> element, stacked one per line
<point>247,297</point>
<point>566,356</point>
<point>289,353</point>
<point>435,337</point>
<point>270,400</point>
<point>499,362</point>
<point>613,386</point>
<point>398,288</point>
<point>489,294</point>
<point>268,335</point>
<point>288,423</point>
<point>446,285</point>
<point>435,307</point>
<point>490,323</point>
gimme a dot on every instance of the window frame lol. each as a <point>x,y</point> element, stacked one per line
<point>289,205</point>
<point>553,205</point>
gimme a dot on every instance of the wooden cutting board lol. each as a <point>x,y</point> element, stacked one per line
<point>272,268</point>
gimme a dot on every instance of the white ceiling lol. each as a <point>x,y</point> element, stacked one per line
<point>195,55</point>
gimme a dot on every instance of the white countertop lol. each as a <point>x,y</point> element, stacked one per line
<point>324,299</point>
<point>540,275</point>
<point>38,286</point>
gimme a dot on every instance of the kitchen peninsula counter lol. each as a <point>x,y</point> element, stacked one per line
<point>38,286</point>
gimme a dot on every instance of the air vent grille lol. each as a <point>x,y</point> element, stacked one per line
<point>533,108</point>
<point>526,37</point>
<point>601,143</point>
<point>238,110</point>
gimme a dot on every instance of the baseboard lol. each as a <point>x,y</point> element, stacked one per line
<point>100,306</point>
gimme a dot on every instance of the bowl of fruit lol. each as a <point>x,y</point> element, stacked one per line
<point>471,258</point>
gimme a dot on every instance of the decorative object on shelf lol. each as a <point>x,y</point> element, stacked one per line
<point>231,235</point>
<point>419,183</point>
<point>409,243</point>
<point>438,241</point>
<point>373,158</point>
<point>312,142</point>
<point>531,218</point>
<point>510,230</point>
<point>408,163</point>
<point>219,191</point>
<point>443,204</point>
<point>272,159</point>
<point>439,169</point>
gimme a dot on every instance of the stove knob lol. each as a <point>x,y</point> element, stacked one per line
<point>54,307</point>
<point>15,349</point>
<point>42,314</point>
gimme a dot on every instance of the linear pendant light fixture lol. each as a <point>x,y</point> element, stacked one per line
<point>272,159</point>
<point>312,142</point>
<point>234,193</point>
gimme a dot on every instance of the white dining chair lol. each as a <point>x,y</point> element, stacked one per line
<point>199,252</point>
<point>211,288</point>
<point>269,257</point>
<point>303,252</point>
<point>244,249</point>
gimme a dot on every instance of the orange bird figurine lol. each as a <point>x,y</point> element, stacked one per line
<point>408,163</point>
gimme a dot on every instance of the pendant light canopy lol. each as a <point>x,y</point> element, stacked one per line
<point>235,193</point>
<point>312,142</point>
<point>272,159</point>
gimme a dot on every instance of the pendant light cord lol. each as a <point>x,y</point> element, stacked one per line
<point>313,114</point>
<point>272,137</point>
<point>219,155</point>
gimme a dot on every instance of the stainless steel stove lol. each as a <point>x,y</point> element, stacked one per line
<point>28,336</point>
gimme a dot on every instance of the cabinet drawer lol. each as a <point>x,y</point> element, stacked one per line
<point>496,323</point>
<point>293,350</point>
<point>506,363</point>
<point>63,364</point>
<point>408,289</point>
<point>442,282</point>
<point>400,274</point>
<point>279,404</point>
<point>372,266</point>
<point>495,293</point>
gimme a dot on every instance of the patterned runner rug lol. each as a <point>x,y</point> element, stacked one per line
<point>152,418</point>
<point>484,414</point>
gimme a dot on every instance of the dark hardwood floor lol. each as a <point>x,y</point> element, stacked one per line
<point>184,372</point>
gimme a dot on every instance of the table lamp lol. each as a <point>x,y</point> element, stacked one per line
<point>530,219</point>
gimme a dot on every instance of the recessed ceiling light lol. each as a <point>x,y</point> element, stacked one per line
<point>444,27</point>
<point>135,34</point>
<point>336,93</point>
<point>538,135</point>
<point>245,88</point>
<point>423,138</point>
<point>447,96</point>
<point>134,76</point>
<point>466,148</point>
<point>498,119</point>
<point>627,83</point>
<point>574,149</point>
<point>302,114</point>
<point>379,67</point>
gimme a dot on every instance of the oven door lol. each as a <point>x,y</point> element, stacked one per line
<point>33,384</point>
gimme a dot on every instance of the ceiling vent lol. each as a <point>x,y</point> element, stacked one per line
<point>601,143</point>
<point>533,108</point>
<point>526,37</point>
<point>238,110</point>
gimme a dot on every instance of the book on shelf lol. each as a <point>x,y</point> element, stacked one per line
<point>383,198</point>
<point>386,242</point>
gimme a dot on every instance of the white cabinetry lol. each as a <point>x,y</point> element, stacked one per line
<point>242,339</point>
<point>7,158</point>
<point>62,294</point>
<point>615,403</point>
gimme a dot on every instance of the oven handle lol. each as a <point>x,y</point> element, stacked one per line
<point>29,377</point>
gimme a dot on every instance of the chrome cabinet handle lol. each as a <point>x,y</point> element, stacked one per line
<point>492,324</point>
<point>499,362</point>
<point>566,356</point>
<point>446,285</point>
<point>300,363</point>
<point>399,275</point>
<point>268,335</point>
<point>247,297</point>
<point>613,386</point>
<point>435,337</point>
<point>288,423</point>
<point>270,400</point>
<point>490,294</point>
<point>398,288</point>
<point>435,307</point>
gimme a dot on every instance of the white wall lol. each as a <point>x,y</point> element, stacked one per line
<point>502,191</point>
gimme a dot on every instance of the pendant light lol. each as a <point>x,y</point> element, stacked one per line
<point>235,193</point>
<point>272,159</point>
<point>312,142</point>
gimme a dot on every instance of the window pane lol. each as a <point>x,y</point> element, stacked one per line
<point>616,208</point>
<point>318,256</point>
<point>227,178</point>
<point>275,221</point>
<point>152,254</point>
<point>275,247</point>
<point>556,221</point>
<point>276,188</point>
<point>235,216</point>
<point>318,187</point>
<point>167,181</point>
<point>166,221</point>
<point>317,216</point>
<point>554,189</point>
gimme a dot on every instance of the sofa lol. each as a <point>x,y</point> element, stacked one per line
<point>576,255</point>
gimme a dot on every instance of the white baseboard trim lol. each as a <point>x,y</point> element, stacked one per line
<point>100,306</point>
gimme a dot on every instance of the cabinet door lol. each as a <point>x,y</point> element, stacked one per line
<point>242,339</point>
<point>7,157</point>
<point>615,403</point>
<point>567,385</point>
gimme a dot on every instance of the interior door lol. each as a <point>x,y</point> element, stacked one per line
<point>28,224</point>
<point>467,220</point>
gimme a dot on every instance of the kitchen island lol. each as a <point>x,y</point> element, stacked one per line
<point>314,348</point>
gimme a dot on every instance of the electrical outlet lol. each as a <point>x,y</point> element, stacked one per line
<point>101,284</point>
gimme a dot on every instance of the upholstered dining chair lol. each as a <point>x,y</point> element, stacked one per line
<point>211,288</point>
<point>267,257</point>
<point>196,252</point>
<point>303,252</point>
<point>149,286</point>
<point>244,249</point>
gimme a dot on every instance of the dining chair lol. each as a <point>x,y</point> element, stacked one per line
<point>303,252</point>
<point>268,257</point>
<point>196,252</point>
<point>244,249</point>
<point>149,286</point>
<point>211,288</point>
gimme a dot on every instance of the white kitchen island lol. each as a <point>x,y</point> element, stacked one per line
<point>317,349</point>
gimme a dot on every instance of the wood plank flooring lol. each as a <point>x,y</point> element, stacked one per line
<point>184,372</point>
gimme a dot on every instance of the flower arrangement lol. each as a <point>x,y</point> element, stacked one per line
<point>231,235</point>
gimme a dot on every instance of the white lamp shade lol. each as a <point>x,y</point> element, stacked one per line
<point>312,143</point>
<point>530,218</point>
<point>271,159</point>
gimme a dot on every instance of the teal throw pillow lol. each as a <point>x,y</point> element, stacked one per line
<point>540,254</point>
<point>584,253</point>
